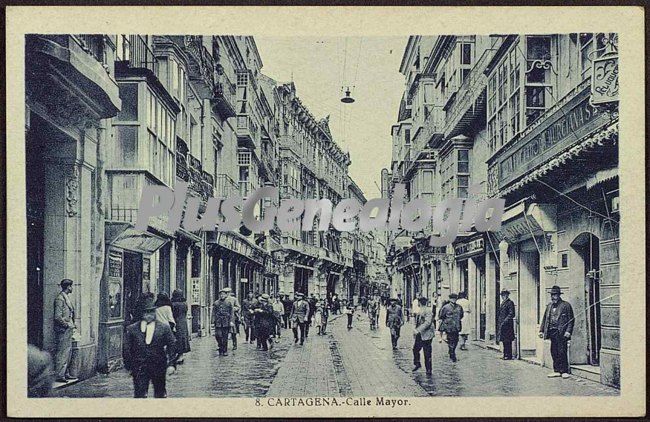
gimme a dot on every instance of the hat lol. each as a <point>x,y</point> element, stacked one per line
<point>393,299</point>
<point>505,292</point>
<point>66,282</point>
<point>265,296</point>
<point>226,289</point>
<point>299,294</point>
<point>453,296</point>
<point>555,290</point>
<point>148,304</point>
<point>281,292</point>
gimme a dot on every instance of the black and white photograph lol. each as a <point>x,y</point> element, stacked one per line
<point>471,179</point>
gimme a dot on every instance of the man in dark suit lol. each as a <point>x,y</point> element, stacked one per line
<point>557,325</point>
<point>64,325</point>
<point>505,324</point>
<point>223,319</point>
<point>451,315</point>
<point>147,344</point>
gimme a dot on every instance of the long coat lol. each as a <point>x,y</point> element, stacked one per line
<point>505,322</point>
<point>300,311</point>
<point>425,324</point>
<point>63,313</point>
<point>264,320</point>
<point>450,316</point>
<point>394,316</point>
<point>137,353</point>
<point>223,313</point>
<point>179,309</point>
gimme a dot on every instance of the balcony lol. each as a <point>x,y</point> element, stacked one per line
<point>225,187</point>
<point>133,52</point>
<point>469,101</point>
<point>202,67</point>
<point>182,168</point>
<point>224,98</point>
<point>247,132</point>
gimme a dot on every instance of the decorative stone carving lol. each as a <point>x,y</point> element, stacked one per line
<point>72,192</point>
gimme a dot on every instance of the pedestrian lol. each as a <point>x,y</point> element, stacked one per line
<point>222,319</point>
<point>248,305</point>
<point>557,325</point>
<point>287,303</point>
<point>349,311</point>
<point>464,332</point>
<point>298,317</point>
<point>324,316</point>
<point>451,315</point>
<point>318,317</point>
<point>373,313</point>
<point>164,311</point>
<point>40,372</point>
<point>265,322</point>
<point>179,311</point>
<point>394,320</point>
<point>64,326</point>
<point>310,315</point>
<point>278,313</point>
<point>505,324</point>
<point>415,309</point>
<point>148,344</point>
<point>425,328</point>
<point>236,316</point>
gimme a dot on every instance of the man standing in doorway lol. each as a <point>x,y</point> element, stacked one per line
<point>222,319</point>
<point>450,316</point>
<point>557,325</point>
<point>505,324</point>
<point>64,326</point>
<point>425,328</point>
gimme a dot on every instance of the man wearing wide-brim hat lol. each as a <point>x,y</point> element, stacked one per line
<point>505,324</point>
<point>557,325</point>
<point>147,345</point>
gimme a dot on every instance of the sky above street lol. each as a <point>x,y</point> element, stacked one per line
<point>320,67</point>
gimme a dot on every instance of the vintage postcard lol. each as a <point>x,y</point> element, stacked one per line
<point>325,211</point>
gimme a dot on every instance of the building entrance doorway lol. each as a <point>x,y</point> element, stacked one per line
<point>587,247</point>
<point>132,285</point>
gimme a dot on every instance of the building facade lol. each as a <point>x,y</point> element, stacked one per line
<point>523,118</point>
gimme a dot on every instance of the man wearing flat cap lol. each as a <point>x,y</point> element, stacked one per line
<point>505,324</point>
<point>557,325</point>
<point>223,314</point>
<point>64,325</point>
<point>394,320</point>
<point>451,315</point>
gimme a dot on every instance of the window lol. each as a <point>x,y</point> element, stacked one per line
<point>463,161</point>
<point>538,77</point>
<point>407,136</point>
<point>126,151</point>
<point>466,53</point>
<point>129,97</point>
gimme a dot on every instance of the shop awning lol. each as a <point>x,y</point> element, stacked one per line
<point>522,221</point>
<point>124,235</point>
<point>602,176</point>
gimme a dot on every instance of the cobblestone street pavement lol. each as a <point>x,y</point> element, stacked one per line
<point>356,362</point>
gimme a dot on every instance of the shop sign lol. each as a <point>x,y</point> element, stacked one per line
<point>573,121</point>
<point>604,81</point>
<point>196,291</point>
<point>243,280</point>
<point>115,264</point>
<point>472,247</point>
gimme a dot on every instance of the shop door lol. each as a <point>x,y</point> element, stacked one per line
<point>592,283</point>
<point>481,297</point>
<point>35,235</point>
<point>132,286</point>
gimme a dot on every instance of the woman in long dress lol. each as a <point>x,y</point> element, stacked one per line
<point>179,311</point>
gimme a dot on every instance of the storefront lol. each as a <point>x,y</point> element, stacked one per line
<point>470,264</point>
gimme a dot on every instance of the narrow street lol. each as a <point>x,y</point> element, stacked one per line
<point>355,363</point>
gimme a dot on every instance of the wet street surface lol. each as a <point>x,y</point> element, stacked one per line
<point>350,363</point>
